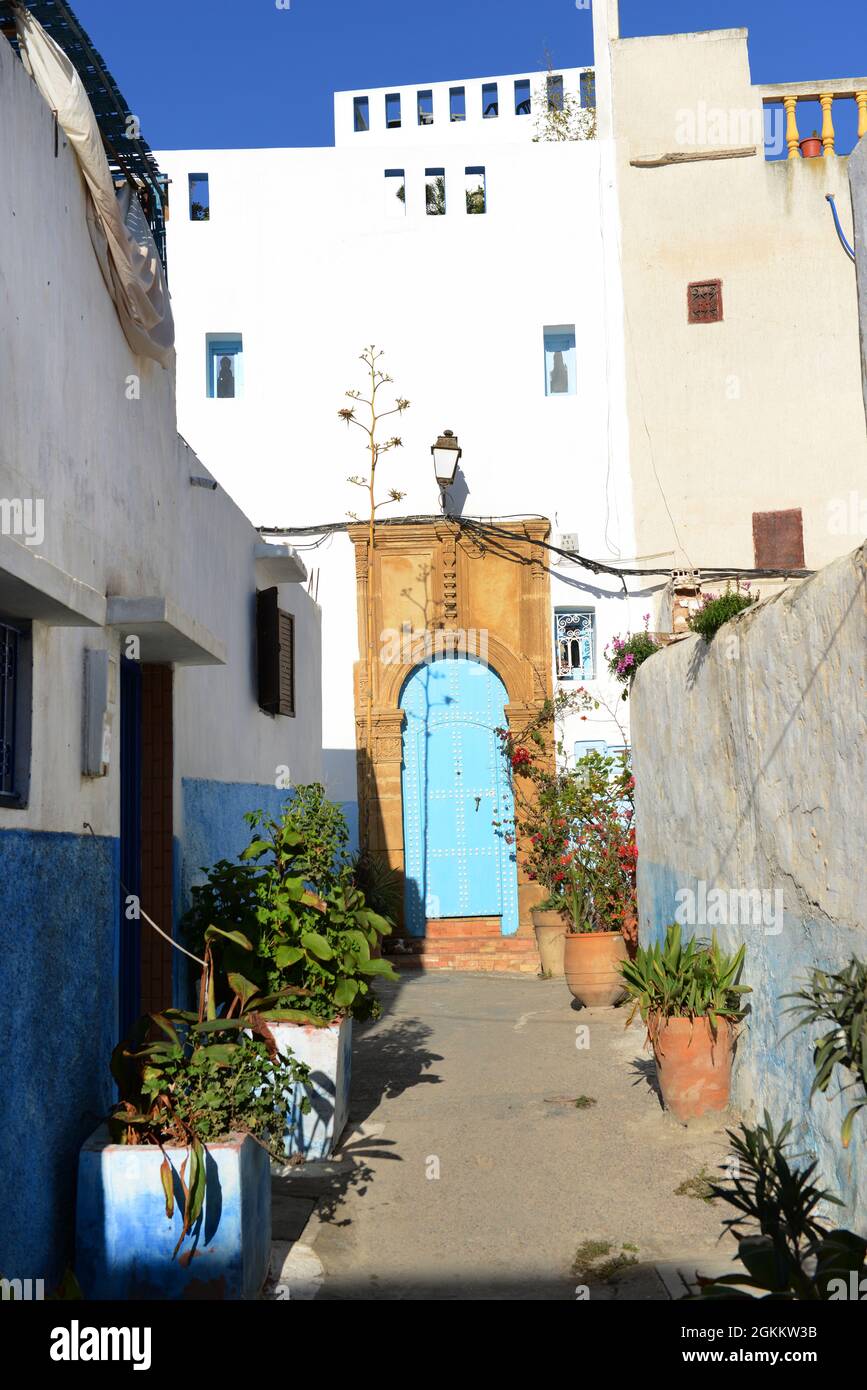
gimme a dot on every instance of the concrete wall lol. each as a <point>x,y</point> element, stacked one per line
<point>121,518</point>
<point>750,765</point>
<point>858,186</point>
<point>762,411</point>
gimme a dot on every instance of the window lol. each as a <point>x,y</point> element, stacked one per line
<point>457,104</point>
<point>778,540</point>
<point>200,198</point>
<point>395,193</point>
<point>15,683</point>
<point>574,639</point>
<point>475,187</point>
<point>523,99</point>
<point>425,108</point>
<point>555,93</point>
<point>490,103</point>
<point>704,301</point>
<point>275,655</point>
<point>361,113</point>
<point>435,192</point>
<point>587,85</point>
<point>560,366</point>
<point>225,365</point>
<point>392,111</point>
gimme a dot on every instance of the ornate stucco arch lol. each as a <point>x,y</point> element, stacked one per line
<point>435,590</point>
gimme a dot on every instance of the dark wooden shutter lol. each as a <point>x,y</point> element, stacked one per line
<point>275,641</point>
<point>778,539</point>
<point>704,301</point>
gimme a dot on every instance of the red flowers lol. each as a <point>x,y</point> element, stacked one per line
<point>521,757</point>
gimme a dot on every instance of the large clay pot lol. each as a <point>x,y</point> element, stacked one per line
<point>592,961</point>
<point>550,930</point>
<point>694,1069</point>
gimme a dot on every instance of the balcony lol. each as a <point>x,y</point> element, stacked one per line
<point>843,101</point>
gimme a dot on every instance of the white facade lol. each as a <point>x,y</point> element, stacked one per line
<point>308,258</point>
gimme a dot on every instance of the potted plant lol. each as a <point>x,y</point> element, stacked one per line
<point>293,894</point>
<point>575,824</point>
<point>174,1192</point>
<point>811,146</point>
<point>689,999</point>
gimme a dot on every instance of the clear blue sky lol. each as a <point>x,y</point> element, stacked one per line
<point>219,73</point>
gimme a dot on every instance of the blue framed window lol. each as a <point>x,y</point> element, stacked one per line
<point>523,100</point>
<point>555,93</point>
<point>395,193</point>
<point>361,113</point>
<point>424,104</point>
<point>435,192</point>
<point>457,104</point>
<point>200,198</point>
<point>587,85</point>
<point>476,189</point>
<point>392,111</point>
<point>225,366</point>
<point>560,360</point>
<point>490,100</point>
<point>574,643</point>
<point>15,695</point>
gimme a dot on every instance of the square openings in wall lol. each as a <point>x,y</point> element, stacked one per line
<point>560,360</point>
<point>523,99</point>
<point>457,104</point>
<point>435,192</point>
<point>477,200</point>
<point>705,301</point>
<point>200,198</point>
<point>361,113</point>
<point>587,88</point>
<point>225,361</point>
<point>555,92</point>
<point>392,111</point>
<point>424,103</point>
<point>395,193</point>
<point>490,100</point>
<point>778,539</point>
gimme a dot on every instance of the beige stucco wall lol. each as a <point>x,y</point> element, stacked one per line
<point>763,411</point>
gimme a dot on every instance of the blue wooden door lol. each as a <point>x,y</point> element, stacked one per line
<point>457,862</point>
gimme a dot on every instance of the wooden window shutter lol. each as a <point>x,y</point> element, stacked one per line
<point>275,642</point>
<point>704,301</point>
<point>778,540</point>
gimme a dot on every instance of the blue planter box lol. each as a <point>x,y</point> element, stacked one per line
<point>124,1240</point>
<point>328,1053</point>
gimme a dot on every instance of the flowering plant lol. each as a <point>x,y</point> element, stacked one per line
<point>575,824</point>
<point>625,654</point>
<point>716,609</point>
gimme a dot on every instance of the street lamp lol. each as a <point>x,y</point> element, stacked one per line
<point>446,456</point>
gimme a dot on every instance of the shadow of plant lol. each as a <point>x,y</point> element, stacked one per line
<point>644,1069</point>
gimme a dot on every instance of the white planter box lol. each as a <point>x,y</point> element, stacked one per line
<point>328,1053</point>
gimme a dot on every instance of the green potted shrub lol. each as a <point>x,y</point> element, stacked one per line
<point>690,1001</point>
<point>294,895</point>
<point>174,1194</point>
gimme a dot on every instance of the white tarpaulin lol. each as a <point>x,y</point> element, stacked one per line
<point>124,247</point>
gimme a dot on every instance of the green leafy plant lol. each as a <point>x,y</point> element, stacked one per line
<point>786,1250</point>
<point>841,1000</point>
<point>626,654</point>
<point>381,885</point>
<point>677,979</point>
<point>716,609</point>
<point>293,895</point>
<point>190,1078</point>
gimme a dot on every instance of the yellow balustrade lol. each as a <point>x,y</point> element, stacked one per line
<point>826,100</point>
<point>792,137</point>
<point>840,92</point>
<point>861,99</point>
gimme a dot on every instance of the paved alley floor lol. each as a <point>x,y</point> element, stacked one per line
<point>496,1150</point>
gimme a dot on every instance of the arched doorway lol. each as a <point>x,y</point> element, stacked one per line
<point>454,788</point>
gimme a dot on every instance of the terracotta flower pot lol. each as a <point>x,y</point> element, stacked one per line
<point>811,147</point>
<point>550,932</point>
<point>592,961</point>
<point>694,1069</point>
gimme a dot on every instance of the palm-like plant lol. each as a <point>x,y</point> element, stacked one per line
<point>677,979</point>
<point>841,1000</point>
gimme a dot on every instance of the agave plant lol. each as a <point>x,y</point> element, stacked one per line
<point>840,1000</point>
<point>677,979</point>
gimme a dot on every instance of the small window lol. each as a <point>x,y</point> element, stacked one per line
<point>475,187</point>
<point>778,540</point>
<point>435,192</point>
<point>574,641</point>
<point>275,655</point>
<point>704,301</point>
<point>560,366</point>
<point>587,87</point>
<point>225,366</point>
<point>200,198</point>
<point>555,93</point>
<point>15,694</point>
<point>523,99</point>
<point>392,111</point>
<point>361,113</point>
<point>457,104</point>
<point>490,103</point>
<point>395,193</point>
<point>425,108</point>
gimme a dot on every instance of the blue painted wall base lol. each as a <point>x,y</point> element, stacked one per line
<point>328,1053</point>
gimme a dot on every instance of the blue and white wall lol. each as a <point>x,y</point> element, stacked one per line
<point>90,430</point>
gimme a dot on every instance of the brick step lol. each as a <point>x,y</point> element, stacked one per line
<point>464,926</point>
<point>503,964</point>
<point>475,945</point>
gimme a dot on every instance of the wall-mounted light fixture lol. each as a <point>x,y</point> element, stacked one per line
<point>446,456</point>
